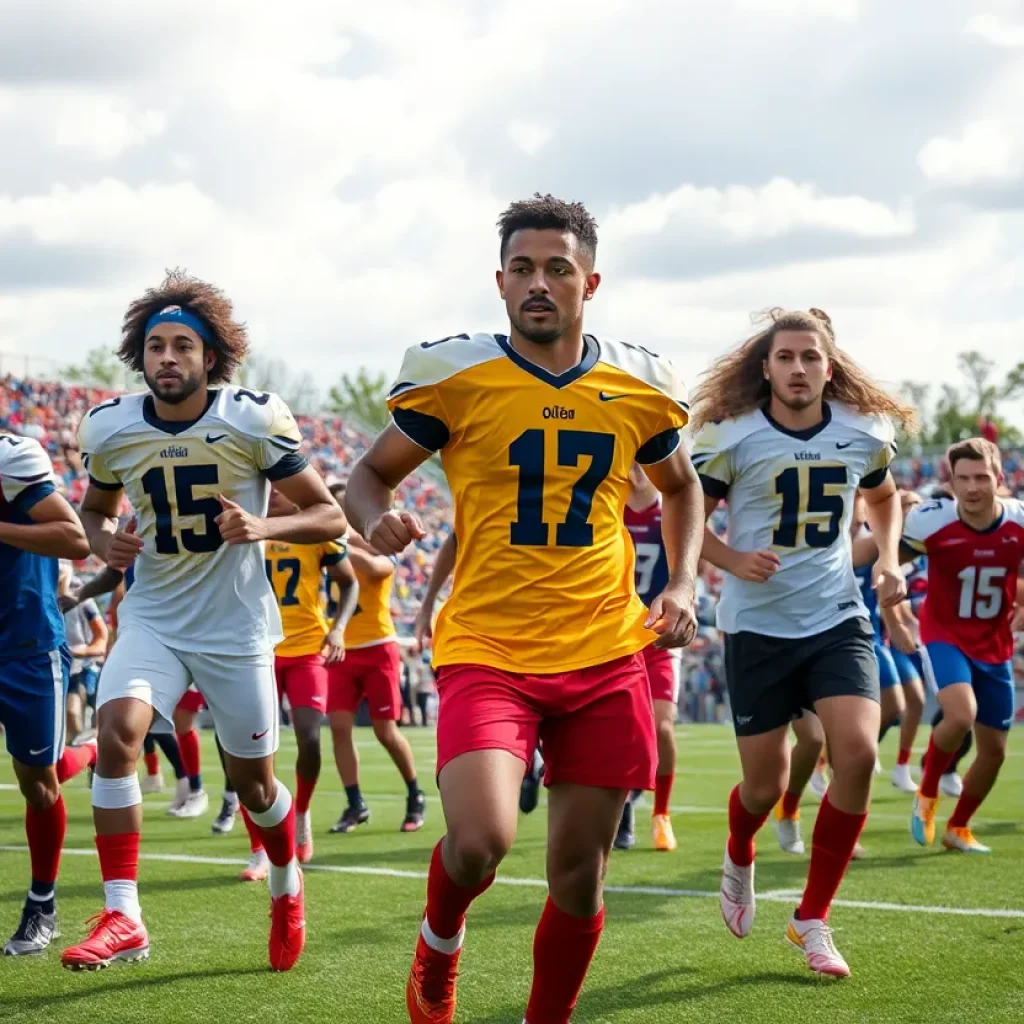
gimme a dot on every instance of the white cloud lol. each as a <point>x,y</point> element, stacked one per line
<point>995,30</point>
<point>987,151</point>
<point>528,136</point>
<point>844,10</point>
<point>737,213</point>
<point>104,127</point>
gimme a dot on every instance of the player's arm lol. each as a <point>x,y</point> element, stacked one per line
<point>885,518</point>
<point>370,495</point>
<point>673,613</point>
<point>55,530</point>
<point>118,548</point>
<point>98,647</point>
<point>444,565</point>
<point>753,566</point>
<point>105,582</point>
<point>343,574</point>
<point>368,562</point>
<point>901,625</point>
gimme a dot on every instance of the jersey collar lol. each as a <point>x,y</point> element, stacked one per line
<point>991,528</point>
<point>802,435</point>
<point>591,353</point>
<point>173,426</point>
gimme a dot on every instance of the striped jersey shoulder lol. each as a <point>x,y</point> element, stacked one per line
<point>874,425</point>
<point>645,366</point>
<point>926,520</point>
<point>432,362</point>
<point>104,421</point>
<point>259,415</point>
<point>716,438</point>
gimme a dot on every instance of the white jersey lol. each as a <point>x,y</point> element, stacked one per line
<point>792,492</point>
<point>192,590</point>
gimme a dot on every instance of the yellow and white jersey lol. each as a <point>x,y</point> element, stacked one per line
<point>538,466</point>
<point>792,492</point>
<point>193,591</point>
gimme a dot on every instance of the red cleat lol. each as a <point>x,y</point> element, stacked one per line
<point>430,993</point>
<point>115,937</point>
<point>287,929</point>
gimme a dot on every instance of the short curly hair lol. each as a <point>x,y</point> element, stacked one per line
<point>229,337</point>
<point>547,213</point>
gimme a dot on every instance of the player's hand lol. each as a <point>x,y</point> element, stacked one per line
<point>123,547</point>
<point>334,647</point>
<point>422,629</point>
<point>238,526</point>
<point>755,566</point>
<point>394,532</point>
<point>67,603</point>
<point>889,585</point>
<point>904,639</point>
<point>673,616</point>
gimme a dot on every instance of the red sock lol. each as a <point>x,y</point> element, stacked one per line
<point>152,763</point>
<point>74,760</point>
<point>255,840</point>
<point>188,744</point>
<point>663,792</point>
<point>45,831</point>
<point>303,793</point>
<point>279,840</point>
<point>743,826</point>
<point>965,809</point>
<point>904,756</point>
<point>790,804</point>
<point>936,763</point>
<point>447,901</point>
<point>835,835</point>
<point>563,947</point>
<point>119,857</point>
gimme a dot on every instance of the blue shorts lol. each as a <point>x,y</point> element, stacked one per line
<point>992,683</point>
<point>908,666</point>
<point>33,692</point>
<point>887,675</point>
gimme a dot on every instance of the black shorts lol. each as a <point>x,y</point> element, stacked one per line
<point>773,679</point>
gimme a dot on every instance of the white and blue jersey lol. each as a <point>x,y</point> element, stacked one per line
<point>34,660</point>
<point>888,675</point>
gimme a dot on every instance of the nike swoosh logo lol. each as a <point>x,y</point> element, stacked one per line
<point>604,397</point>
<point>41,750</point>
<point>214,438</point>
<point>843,444</point>
<point>260,735</point>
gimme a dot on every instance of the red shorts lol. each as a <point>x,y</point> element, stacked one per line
<point>596,724</point>
<point>662,673</point>
<point>371,672</point>
<point>303,678</point>
<point>192,701</point>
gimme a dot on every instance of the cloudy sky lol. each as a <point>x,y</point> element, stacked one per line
<point>338,166</point>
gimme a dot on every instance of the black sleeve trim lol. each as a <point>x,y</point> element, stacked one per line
<point>713,488</point>
<point>333,559</point>
<point>427,431</point>
<point>874,479</point>
<point>289,465</point>
<point>658,448</point>
<point>102,485</point>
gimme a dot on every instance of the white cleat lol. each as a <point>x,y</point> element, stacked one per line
<point>258,868</point>
<point>814,940</point>
<point>879,770</point>
<point>819,784</point>
<point>951,785</point>
<point>303,838</point>
<point>787,830</point>
<point>737,897</point>
<point>197,804</point>
<point>181,795</point>
<point>902,779</point>
<point>153,784</point>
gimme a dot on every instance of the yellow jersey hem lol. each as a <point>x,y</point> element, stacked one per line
<point>393,639</point>
<point>548,669</point>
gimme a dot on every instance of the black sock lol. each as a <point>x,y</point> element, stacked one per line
<point>228,787</point>
<point>885,728</point>
<point>149,745</point>
<point>195,783</point>
<point>412,787</point>
<point>42,895</point>
<point>355,798</point>
<point>169,745</point>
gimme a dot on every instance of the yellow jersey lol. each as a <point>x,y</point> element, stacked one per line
<point>538,466</point>
<point>371,623</point>
<point>295,572</point>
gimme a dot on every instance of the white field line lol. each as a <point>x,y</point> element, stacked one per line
<point>775,896</point>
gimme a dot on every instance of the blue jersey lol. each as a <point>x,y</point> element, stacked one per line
<point>870,598</point>
<point>30,620</point>
<point>651,565</point>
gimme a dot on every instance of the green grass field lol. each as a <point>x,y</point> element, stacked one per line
<point>665,955</point>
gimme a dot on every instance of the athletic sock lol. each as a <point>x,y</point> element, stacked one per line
<point>663,792</point>
<point>936,763</point>
<point>45,831</point>
<point>791,804</point>
<point>743,826</point>
<point>965,809</point>
<point>447,903</point>
<point>835,835</point>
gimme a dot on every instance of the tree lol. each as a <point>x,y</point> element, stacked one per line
<point>101,368</point>
<point>260,373</point>
<point>361,395</point>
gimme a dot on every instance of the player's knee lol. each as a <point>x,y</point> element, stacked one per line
<point>959,720</point>
<point>576,881</point>
<point>117,749</point>
<point>308,742</point>
<point>856,761</point>
<point>666,733</point>
<point>40,794</point>
<point>993,756</point>
<point>477,853</point>
<point>763,792</point>
<point>387,733</point>
<point>255,794</point>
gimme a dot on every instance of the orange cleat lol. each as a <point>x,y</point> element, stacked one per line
<point>661,833</point>
<point>287,929</point>
<point>114,937</point>
<point>430,994</point>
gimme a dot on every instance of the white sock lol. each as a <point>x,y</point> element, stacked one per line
<point>232,800</point>
<point>124,896</point>
<point>447,946</point>
<point>285,881</point>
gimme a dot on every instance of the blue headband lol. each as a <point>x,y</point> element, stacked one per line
<point>185,317</point>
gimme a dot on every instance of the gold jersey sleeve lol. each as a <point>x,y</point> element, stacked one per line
<point>538,467</point>
<point>296,573</point>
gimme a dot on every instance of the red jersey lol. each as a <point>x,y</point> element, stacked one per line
<point>972,577</point>
<point>651,566</point>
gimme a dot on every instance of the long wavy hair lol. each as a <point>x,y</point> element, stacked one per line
<point>735,385</point>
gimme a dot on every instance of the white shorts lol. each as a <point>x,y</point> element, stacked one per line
<point>240,689</point>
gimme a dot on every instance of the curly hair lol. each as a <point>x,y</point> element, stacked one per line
<point>230,338</point>
<point>547,213</point>
<point>735,384</point>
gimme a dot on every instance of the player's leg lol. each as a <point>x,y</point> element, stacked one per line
<point>196,801</point>
<point>392,739</point>
<point>951,784</point>
<point>344,695</point>
<point>803,759</point>
<point>892,705</point>
<point>662,676</point>
<point>225,820</point>
<point>154,781</point>
<point>993,686</point>
<point>486,732</point>
<point>75,708</point>
<point>913,697</point>
<point>241,692</point>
